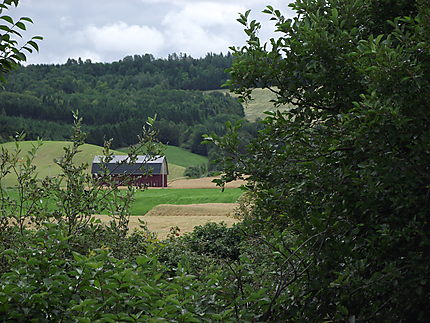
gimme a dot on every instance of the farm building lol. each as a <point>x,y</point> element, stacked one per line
<point>145,171</point>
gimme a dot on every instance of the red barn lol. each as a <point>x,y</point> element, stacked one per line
<point>145,171</point>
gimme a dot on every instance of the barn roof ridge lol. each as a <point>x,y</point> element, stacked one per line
<point>141,159</point>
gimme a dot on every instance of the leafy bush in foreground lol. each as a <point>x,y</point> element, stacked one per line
<point>47,281</point>
<point>346,170</point>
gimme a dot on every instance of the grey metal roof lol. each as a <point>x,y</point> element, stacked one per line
<point>121,164</point>
<point>123,158</point>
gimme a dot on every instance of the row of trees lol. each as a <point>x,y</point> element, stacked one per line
<point>132,72</point>
<point>118,114</point>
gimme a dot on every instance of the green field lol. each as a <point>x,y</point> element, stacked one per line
<point>51,150</point>
<point>146,200</point>
<point>179,156</point>
<point>260,103</point>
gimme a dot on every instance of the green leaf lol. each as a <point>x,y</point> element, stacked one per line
<point>7,18</point>
<point>27,19</point>
<point>6,29</point>
<point>20,25</point>
<point>142,260</point>
<point>334,14</point>
<point>28,49</point>
<point>33,44</point>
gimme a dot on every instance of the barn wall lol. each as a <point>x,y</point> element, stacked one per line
<point>153,180</point>
<point>140,180</point>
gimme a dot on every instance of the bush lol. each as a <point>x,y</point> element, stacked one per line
<point>344,172</point>
<point>49,282</point>
<point>196,171</point>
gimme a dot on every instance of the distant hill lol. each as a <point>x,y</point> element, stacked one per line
<point>115,99</point>
<point>51,150</point>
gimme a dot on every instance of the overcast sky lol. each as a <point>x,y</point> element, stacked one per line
<point>109,30</point>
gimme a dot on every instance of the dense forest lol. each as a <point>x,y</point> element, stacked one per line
<point>115,99</point>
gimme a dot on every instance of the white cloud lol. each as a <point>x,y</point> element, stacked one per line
<point>108,30</point>
<point>66,22</point>
<point>127,39</point>
<point>195,40</point>
<point>202,27</point>
<point>205,14</point>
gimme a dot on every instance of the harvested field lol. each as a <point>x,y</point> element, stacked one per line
<point>205,182</point>
<point>163,217</point>
<point>206,209</point>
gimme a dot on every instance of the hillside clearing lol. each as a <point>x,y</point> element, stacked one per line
<point>259,104</point>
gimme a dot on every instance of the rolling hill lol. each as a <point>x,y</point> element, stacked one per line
<point>50,150</point>
<point>178,156</point>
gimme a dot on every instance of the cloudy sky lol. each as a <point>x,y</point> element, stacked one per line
<point>108,30</point>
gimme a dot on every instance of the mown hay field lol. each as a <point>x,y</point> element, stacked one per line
<point>187,204</point>
<point>162,218</point>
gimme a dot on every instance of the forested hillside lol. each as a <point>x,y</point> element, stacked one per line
<point>115,99</point>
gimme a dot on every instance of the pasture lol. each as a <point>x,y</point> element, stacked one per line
<point>178,156</point>
<point>162,209</point>
<point>51,150</point>
<point>148,199</point>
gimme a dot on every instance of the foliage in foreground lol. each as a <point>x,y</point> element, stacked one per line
<point>346,171</point>
<point>48,281</point>
<point>11,52</point>
<point>58,264</point>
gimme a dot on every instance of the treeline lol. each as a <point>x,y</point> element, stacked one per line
<point>115,99</point>
<point>133,72</point>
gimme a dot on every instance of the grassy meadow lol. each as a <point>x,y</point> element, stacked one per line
<point>178,156</point>
<point>50,150</point>
<point>146,200</point>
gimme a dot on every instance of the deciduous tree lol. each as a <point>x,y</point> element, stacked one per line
<point>11,52</point>
<point>346,170</point>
